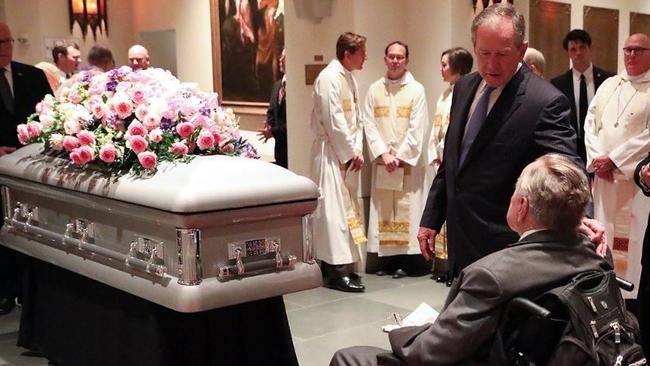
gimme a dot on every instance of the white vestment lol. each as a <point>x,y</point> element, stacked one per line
<point>339,137</point>
<point>617,126</point>
<point>395,118</point>
<point>435,134</point>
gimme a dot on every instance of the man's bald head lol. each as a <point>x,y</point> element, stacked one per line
<point>138,57</point>
<point>6,45</point>
<point>636,54</point>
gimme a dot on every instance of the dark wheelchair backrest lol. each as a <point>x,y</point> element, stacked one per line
<point>580,323</point>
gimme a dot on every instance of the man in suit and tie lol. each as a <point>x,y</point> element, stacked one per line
<point>580,83</point>
<point>276,117</point>
<point>547,205</point>
<point>502,118</point>
<point>21,87</point>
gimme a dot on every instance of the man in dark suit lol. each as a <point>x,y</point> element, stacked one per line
<point>21,87</point>
<point>276,118</point>
<point>548,203</point>
<point>580,83</point>
<point>642,179</point>
<point>524,118</point>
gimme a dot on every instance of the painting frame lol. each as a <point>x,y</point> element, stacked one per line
<point>220,60</point>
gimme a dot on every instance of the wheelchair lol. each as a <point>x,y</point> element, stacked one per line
<point>529,333</point>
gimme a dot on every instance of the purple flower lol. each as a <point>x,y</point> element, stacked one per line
<point>166,125</point>
<point>111,85</point>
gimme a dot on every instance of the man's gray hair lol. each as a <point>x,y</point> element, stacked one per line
<point>496,12</point>
<point>557,192</point>
<point>534,57</point>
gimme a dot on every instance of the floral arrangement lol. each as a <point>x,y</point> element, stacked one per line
<point>129,120</point>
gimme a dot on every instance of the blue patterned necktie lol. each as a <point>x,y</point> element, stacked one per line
<point>475,122</point>
<point>5,92</point>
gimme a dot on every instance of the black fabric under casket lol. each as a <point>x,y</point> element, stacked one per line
<point>75,321</point>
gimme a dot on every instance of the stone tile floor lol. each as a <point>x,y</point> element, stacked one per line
<point>321,320</point>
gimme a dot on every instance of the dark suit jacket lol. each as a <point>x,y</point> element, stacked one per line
<point>29,86</point>
<point>276,117</point>
<point>467,325</point>
<point>645,256</point>
<point>564,83</point>
<point>530,119</point>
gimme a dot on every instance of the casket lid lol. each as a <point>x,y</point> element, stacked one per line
<point>207,183</point>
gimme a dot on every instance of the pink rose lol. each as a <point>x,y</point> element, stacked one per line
<point>99,110</point>
<point>137,129</point>
<point>179,149</point>
<point>156,135</point>
<point>86,154</point>
<point>108,153</point>
<point>123,109</point>
<point>70,143</point>
<point>184,129</point>
<point>23,133</point>
<point>86,137</point>
<point>200,120</point>
<point>152,121</point>
<point>205,140</point>
<point>74,156</point>
<point>147,159</point>
<point>141,111</point>
<point>227,148</point>
<point>74,97</point>
<point>138,95</point>
<point>71,126</point>
<point>56,141</point>
<point>137,143</point>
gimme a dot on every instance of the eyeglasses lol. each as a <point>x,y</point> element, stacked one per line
<point>628,51</point>
<point>6,41</point>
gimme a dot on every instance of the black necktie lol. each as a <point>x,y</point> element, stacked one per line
<point>584,105</point>
<point>475,122</point>
<point>5,92</point>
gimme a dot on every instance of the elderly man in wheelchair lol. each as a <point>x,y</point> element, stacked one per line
<point>550,199</point>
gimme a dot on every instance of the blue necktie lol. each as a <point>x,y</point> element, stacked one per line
<point>475,122</point>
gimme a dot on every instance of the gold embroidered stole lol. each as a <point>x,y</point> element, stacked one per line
<point>392,113</point>
<point>352,207</point>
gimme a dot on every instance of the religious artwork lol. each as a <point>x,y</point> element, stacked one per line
<point>247,39</point>
<point>124,120</point>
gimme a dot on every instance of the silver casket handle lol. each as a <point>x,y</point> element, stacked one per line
<point>278,263</point>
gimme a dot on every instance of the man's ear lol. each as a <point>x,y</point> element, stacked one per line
<point>522,211</point>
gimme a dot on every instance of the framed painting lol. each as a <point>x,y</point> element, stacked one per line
<point>247,39</point>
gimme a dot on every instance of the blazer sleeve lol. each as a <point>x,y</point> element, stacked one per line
<point>645,188</point>
<point>554,133</point>
<point>466,324</point>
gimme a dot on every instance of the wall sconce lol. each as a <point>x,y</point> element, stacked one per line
<point>89,13</point>
<point>482,4</point>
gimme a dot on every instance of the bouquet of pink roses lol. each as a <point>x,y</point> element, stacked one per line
<point>131,120</point>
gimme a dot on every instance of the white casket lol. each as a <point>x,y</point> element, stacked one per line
<point>214,232</point>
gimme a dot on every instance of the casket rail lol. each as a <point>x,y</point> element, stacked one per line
<point>195,236</point>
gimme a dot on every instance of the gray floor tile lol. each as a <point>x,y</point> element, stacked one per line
<point>411,295</point>
<point>338,316</point>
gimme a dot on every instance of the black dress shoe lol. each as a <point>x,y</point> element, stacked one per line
<point>345,284</point>
<point>400,273</point>
<point>356,278</point>
<point>6,305</point>
<point>448,283</point>
<point>441,278</point>
<point>381,272</point>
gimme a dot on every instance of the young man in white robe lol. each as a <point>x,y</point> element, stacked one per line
<point>617,139</point>
<point>395,119</point>
<point>336,161</point>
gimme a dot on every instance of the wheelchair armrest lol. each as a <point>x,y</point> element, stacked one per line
<point>625,284</point>
<point>523,306</point>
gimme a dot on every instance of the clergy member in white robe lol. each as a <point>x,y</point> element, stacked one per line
<point>336,160</point>
<point>617,139</point>
<point>395,118</point>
